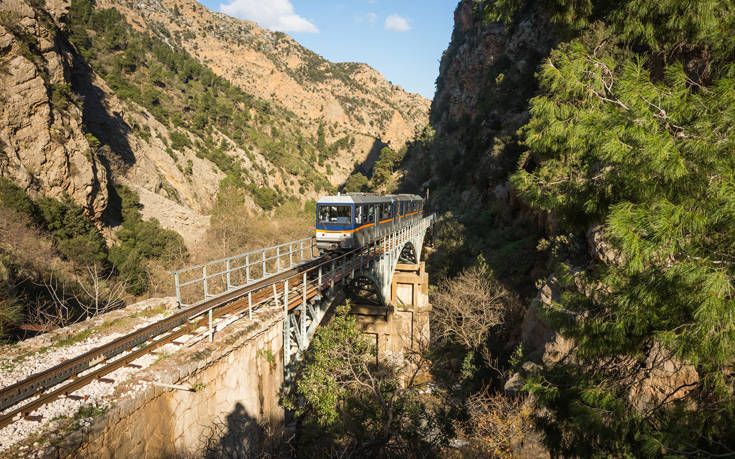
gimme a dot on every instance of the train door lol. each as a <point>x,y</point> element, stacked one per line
<point>370,212</point>
<point>359,233</point>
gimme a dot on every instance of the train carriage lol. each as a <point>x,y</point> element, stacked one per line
<point>352,220</point>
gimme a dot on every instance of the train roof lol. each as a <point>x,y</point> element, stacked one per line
<point>360,198</point>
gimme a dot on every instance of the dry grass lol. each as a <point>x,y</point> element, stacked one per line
<point>26,257</point>
<point>234,229</point>
<point>498,424</point>
<point>28,246</point>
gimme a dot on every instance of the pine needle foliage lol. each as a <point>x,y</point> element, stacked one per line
<point>632,128</point>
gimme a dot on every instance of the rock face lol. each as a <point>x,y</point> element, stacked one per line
<point>540,341</point>
<point>54,107</point>
<point>486,77</point>
<point>349,98</point>
<point>663,378</point>
<point>42,144</point>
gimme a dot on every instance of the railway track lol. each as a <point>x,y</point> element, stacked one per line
<point>102,360</point>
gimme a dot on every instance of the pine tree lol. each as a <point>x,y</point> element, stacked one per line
<point>633,129</point>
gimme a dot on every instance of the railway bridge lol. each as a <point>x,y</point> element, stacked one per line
<point>294,276</point>
<point>288,290</point>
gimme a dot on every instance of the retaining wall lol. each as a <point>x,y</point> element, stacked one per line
<point>237,380</point>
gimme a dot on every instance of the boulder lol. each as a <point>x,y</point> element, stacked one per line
<point>663,378</point>
<point>599,247</point>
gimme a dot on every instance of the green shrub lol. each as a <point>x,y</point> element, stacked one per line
<point>179,140</point>
<point>357,182</point>
<point>12,197</point>
<point>141,241</point>
<point>265,198</point>
<point>60,95</point>
<point>75,237</point>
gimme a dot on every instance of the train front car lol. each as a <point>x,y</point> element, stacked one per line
<point>335,226</point>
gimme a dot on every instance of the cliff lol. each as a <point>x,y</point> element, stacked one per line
<point>42,142</point>
<point>486,78</point>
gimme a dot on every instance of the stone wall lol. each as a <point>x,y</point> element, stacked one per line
<point>237,382</point>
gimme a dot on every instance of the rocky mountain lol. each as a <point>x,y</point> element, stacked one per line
<point>350,97</point>
<point>42,142</point>
<point>486,78</point>
<point>472,146</point>
<point>169,98</point>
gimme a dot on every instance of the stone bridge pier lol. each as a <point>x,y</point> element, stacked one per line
<point>403,324</point>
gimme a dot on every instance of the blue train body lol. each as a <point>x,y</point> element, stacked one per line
<point>349,221</point>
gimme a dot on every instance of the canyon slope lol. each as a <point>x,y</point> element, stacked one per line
<point>169,98</point>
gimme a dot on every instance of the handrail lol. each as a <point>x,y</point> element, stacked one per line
<point>255,262</point>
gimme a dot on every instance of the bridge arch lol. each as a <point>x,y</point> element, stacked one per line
<point>408,254</point>
<point>365,288</point>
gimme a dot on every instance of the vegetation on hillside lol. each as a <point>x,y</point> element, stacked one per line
<point>188,97</point>
<point>51,253</point>
<point>234,228</point>
<point>381,179</point>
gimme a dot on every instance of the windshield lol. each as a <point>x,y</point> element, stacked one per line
<point>335,214</point>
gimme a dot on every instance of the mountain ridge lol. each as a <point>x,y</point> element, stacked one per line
<point>155,111</point>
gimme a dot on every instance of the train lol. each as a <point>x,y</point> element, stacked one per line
<point>352,220</point>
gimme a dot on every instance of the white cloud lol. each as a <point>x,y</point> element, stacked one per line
<point>397,23</point>
<point>366,17</point>
<point>272,14</point>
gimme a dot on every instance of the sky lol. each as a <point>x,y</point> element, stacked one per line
<point>402,39</point>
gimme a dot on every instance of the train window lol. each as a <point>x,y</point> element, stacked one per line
<point>370,214</point>
<point>339,214</point>
<point>386,212</point>
<point>358,215</point>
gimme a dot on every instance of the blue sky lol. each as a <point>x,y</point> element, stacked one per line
<point>402,39</point>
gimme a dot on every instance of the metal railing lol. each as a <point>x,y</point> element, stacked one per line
<point>214,278</point>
